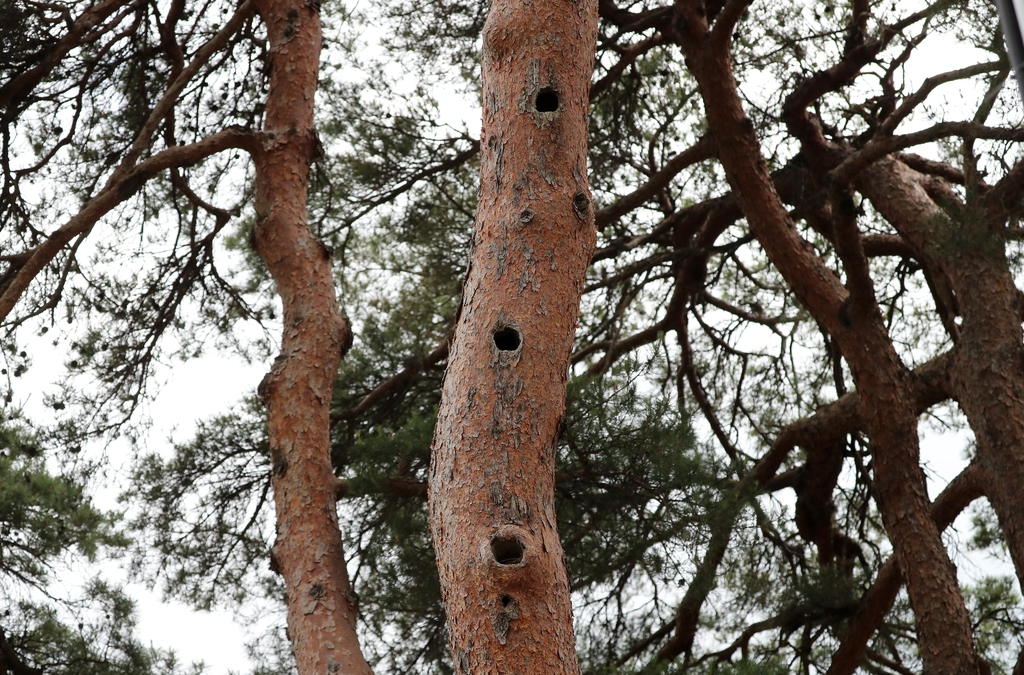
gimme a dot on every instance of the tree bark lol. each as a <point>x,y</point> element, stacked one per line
<point>297,391</point>
<point>879,598</point>
<point>850,313</point>
<point>987,373</point>
<point>503,581</point>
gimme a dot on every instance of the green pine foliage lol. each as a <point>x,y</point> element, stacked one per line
<point>47,523</point>
<point>205,523</point>
<point>999,624</point>
<point>657,440</point>
<point>42,516</point>
<point>95,637</point>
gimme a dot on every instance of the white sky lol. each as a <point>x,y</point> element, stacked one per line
<point>191,394</point>
<point>209,385</point>
<point>193,391</point>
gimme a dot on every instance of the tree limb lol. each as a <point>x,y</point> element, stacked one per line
<point>114,193</point>
<point>875,604</point>
<point>10,661</point>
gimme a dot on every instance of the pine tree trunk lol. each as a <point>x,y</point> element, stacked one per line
<point>297,391</point>
<point>850,313</point>
<point>988,361</point>
<point>503,580</point>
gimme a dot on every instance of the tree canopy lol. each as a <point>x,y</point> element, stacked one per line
<point>808,265</point>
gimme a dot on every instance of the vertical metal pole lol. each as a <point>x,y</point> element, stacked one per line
<point>1009,17</point>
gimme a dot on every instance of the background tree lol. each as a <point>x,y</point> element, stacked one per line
<point>43,519</point>
<point>807,254</point>
<point>142,62</point>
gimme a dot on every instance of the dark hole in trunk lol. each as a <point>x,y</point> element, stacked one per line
<point>507,552</point>
<point>507,339</point>
<point>547,101</point>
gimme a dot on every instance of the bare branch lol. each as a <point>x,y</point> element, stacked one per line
<point>700,151</point>
<point>25,82</point>
<point>114,193</point>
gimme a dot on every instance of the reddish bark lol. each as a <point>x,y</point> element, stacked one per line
<point>297,391</point>
<point>851,315</point>
<point>814,505</point>
<point>987,374</point>
<point>503,581</point>
<point>943,624</point>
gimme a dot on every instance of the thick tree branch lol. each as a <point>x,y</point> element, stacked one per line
<point>725,23</point>
<point>877,602</point>
<point>879,147</point>
<point>930,84</point>
<point>688,612</point>
<point>616,348</point>
<point>114,193</point>
<point>1003,199</point>
<point>632,22</point>
<point>633,269</point>
<point>931,167</point>
<point>835,420</point>
<point>10,661</point>
<point>794,109</point>
<point>395,382</point>
<point>739,152</point>
<point>21,85</point>
<point>790,619</point>
<point>144,138</point>
<point>627,57</point>
<point>131,174</point>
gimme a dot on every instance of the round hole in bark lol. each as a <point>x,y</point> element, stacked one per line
<point>547,100</point>
<point>506,600</point>
<point>507,338</point>
<point>507,552</point>
<point>581,203</point>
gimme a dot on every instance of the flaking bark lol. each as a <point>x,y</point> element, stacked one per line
<point>503,582</point>
<point>297,391</point>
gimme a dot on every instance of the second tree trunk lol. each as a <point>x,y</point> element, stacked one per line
<point>503,580</point>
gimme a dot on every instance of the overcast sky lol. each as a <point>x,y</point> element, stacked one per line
<point>212,384</point>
